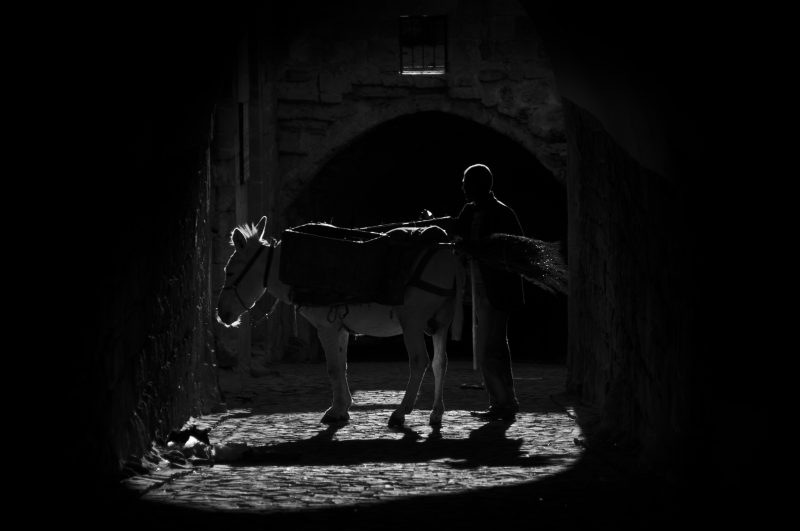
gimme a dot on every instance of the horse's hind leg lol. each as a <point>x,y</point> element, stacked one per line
<point>334,343</point>
<point>414,339</point>
<point>439,370</point>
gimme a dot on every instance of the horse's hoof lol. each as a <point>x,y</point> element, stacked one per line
<point>396,421</point>
<point>435,434</point>
<point>330,418</point>
<point>436,417</point>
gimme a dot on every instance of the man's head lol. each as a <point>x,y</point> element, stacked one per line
<point>477,182</point>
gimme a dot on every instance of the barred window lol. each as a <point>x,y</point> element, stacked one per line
<point>423,44</point>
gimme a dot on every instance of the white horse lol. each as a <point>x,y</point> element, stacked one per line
<point>251,272</point>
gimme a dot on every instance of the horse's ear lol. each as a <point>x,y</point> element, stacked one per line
<point>261,227</point>
<point>237,238</point>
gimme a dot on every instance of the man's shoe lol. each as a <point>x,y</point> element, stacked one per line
<point>495,413</point>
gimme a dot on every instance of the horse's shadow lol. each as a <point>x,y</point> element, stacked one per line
<point>485,446</point>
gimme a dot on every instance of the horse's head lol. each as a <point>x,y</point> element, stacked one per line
<point>244,273</point>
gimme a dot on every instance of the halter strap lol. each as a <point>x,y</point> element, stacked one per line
<point>247,267</point>
<point>416,277</point>
<point>269,265</point>
<point>235,284</point>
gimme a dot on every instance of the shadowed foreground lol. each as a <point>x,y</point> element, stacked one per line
<point>277,465</point>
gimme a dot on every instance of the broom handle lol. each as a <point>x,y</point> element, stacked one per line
<point>399,224</point>
<point>474,305</point>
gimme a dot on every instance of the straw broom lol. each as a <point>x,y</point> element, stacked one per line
<point>537,261</point>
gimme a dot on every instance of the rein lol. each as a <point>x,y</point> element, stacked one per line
<point>266,278</point>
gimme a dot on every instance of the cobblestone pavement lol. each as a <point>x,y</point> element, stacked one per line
<point>275,462</point>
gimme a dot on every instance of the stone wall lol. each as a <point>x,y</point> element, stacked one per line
<point>338,77</point>
<point>149,364</point>
<point>137,249</point>
<point>326,76</point>
<point>229,207</point>
<point>643,191</point>
<point>630,324</point>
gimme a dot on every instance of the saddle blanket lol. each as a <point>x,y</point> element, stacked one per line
<point>325,264</point>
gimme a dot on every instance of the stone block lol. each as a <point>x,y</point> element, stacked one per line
<point>379,91</point>
<point>293,142</point>
<point>289,110</point>
<point>505,50</point>
<point>426,82</point>
<point>507,108</point>
<point>507,7</point>
<point>304,125</point>
<point>384,52</point>
<point>395,79</point>
<point>524,28</point>
<point>225,171</point>
<point>463,54</point>
<point>331,97</point>
<point>465,93</point>
<point>343,51</point>
<point>296,75</point>
<point>489,96</point>
<point>530,71</point>
<point>502,28</point>
<point>469,29</point>
<point>462,78</point>
<point>332,87</point>
<point>516,74</point>
<point>486,50</point>
<point>492,75</point>
<point>305,91</point>
<point>226,126</point>
<point>224,198</point>
<point>533,93</point>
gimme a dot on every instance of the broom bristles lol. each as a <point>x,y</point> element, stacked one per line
<point>537,261</point>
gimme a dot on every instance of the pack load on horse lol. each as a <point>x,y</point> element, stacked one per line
<point>407,280</point>
<point>325,264</point>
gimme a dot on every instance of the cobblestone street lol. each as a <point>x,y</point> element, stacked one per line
<point>275,461</point>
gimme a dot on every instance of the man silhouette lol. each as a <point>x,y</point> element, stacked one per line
<point>495,293</point>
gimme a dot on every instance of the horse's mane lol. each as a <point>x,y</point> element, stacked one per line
<point>250,232</point>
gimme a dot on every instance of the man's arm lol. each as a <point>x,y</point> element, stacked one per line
<point>461,227</point>
<point>507,222</point>
<point>517,225</point>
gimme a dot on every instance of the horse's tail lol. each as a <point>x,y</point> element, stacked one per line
<point>457,326</point>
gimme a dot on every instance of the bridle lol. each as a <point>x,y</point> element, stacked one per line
<point>235,284</point>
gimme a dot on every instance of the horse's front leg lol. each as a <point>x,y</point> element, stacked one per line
<point>334,343</point>
<point>414,339</point>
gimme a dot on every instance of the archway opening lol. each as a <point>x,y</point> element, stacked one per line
<point>415,162</point>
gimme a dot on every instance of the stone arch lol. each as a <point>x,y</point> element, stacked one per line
<point>350,189</point>
<point>547,147</point>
